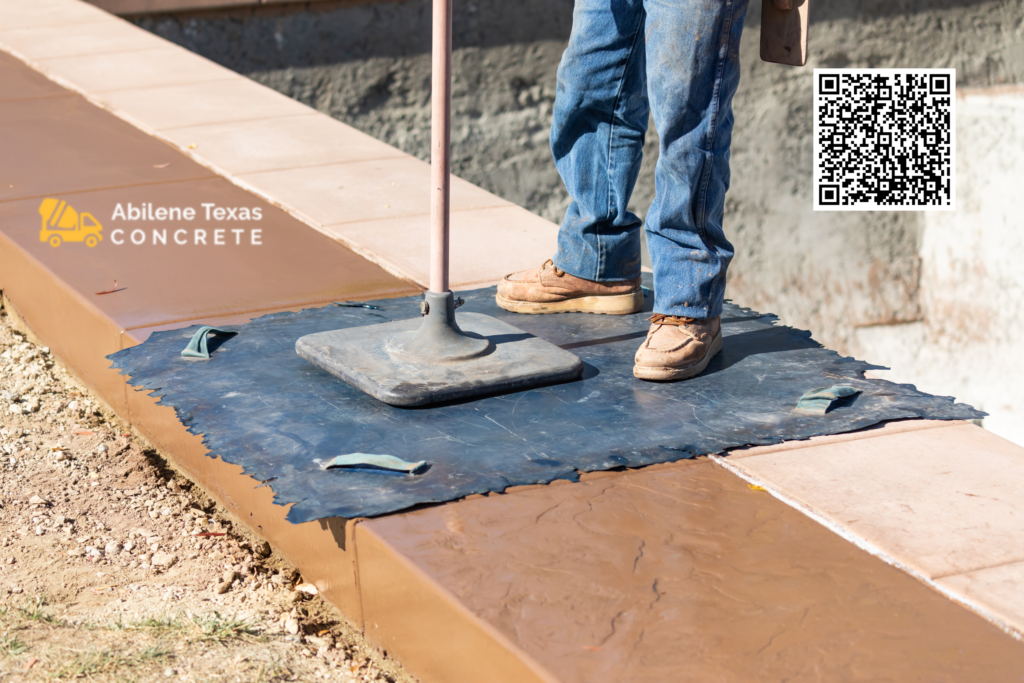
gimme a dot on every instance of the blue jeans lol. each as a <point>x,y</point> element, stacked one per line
<point>625,59</point>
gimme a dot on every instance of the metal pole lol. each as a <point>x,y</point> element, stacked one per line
<point>440,144</point>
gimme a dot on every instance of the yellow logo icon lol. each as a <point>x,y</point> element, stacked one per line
<point>61,223</point>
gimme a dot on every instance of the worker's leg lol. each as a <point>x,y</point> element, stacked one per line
<point>597,139</point>
<point>692,73</point>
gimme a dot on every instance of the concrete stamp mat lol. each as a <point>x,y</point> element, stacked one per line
<point>261,406</point>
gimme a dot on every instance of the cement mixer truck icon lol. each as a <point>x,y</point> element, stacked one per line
<point>61,223</point>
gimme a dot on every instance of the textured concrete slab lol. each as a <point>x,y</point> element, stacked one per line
<point>194,104</point>
<point>526,241</point>
<point>1000,589</point>
<point>148,6</point>
<point>883,429</point>
<point>19,14</point>
<point>64,144</point>
<point>681,573</point>
<point>149,68</point>
<point>363,191</point>
<point>21,83</point>
<point>943,501</point>
<point>202,268</point>
<point>309,139</point>
<point>50,42</point>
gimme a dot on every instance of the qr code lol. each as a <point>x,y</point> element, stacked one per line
<point>884,140</point>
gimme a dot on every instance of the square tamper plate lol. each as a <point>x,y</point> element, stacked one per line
<point>361,357</point>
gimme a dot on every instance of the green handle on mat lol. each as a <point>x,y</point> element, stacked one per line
<point>197,345</point>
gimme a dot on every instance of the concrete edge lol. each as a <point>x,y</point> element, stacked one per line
<point>982,610</point>
<point>430,630</point>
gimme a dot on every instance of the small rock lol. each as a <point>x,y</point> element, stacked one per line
<point>61,456</point>
<point>319,641</point>
<point>12,396</point>
<point>262,549</point>
<point>73,405</point>
<point>222,587</point>
<point>76,552</point>
<point>101,449</point>
<point>292,626</point>
<point>36,500</point>
<point>163,560</point>
<point>153,514</point>
<point>15,409</point>
<point>111,548</point>
<point>128,546</point>
<point>60,520</point>
<point>31,405</point>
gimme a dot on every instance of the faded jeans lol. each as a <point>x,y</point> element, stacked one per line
<point>627,58</point>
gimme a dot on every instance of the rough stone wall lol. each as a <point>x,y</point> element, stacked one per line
<point>833,273</point>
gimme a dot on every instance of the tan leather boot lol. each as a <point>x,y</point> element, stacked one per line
<point>678,348</point>
<point>550,290</point>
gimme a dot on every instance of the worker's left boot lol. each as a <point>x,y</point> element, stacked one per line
<point>678,348</point>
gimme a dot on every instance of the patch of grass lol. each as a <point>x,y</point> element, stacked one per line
<point>32,609</point>
<point>208,628</point>
<point>10,646</point>
<point>218,629</point>
<point>95,663</point>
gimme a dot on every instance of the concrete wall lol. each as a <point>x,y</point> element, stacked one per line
<point>859,281</point>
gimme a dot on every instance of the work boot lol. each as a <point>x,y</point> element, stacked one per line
<point>550,290</point>
<point>678,348</point>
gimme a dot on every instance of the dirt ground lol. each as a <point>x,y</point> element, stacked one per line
<point>115,568</point>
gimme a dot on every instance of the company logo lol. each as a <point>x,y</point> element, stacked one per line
<point>207,224</point>
<point>61,223</point>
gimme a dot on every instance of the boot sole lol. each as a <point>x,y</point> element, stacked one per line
<point>619,304</point>
<point>685,372</point>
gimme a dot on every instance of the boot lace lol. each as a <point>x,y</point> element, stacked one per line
<point>662,319</point>
<point>551,262</point>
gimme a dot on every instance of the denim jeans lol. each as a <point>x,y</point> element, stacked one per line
<point>627,58</point>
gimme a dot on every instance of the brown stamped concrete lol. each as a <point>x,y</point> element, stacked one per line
<point>58,145</point>
<point>681,573</point>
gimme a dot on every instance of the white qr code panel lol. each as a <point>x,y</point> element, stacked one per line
<point>884,139</point>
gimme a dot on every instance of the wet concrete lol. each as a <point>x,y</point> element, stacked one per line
<point>682,573</point>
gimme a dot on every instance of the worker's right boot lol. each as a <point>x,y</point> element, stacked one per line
<point>550,290</point>
<point>677,348</point>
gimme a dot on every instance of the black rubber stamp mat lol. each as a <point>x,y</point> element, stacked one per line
<point>259,405</point>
